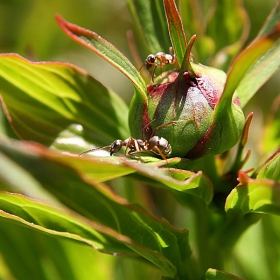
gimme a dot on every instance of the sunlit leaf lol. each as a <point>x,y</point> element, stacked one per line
<point>228,117</point>
<point>176,31</point>
<point>59,222</point>
<point>267,65</point>
<point>44,99</point>
<point>104,49</point>
<point>243,62</point>
<point>29,254</point>
<point>271,169</point>
<point>254,196</point>
<point>154,239</point>
<point>196,184</point>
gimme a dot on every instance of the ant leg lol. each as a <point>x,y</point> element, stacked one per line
<point>171,51</point>
<point>162,125</point>
<point>160,153</point>
<point>128,144</point>
<point>132,145</point>
<point>153,73</point>
<point>165,124</point>
<point>143,129</point>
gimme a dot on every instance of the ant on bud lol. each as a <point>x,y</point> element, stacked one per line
<point>155,144</point>
<point>159,59</point>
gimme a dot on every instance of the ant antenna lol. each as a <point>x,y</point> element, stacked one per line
<point>94,149</point>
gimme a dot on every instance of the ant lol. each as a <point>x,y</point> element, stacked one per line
<point>156,144</point>
<point>160,59</point>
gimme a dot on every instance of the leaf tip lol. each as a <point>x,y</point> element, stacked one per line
<point>243,178</point>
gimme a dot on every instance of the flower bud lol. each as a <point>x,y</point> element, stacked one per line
<point>181,109</point>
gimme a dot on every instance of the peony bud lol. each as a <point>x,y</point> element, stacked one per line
<point>181,110</point>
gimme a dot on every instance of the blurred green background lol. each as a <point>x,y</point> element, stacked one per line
<point>28,27</point>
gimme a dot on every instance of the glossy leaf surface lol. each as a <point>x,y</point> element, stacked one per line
<point>58,222</point>
<point>254,196</point>
<point>30,254</point>
<point>104,49</point>
<point>271,169</point>
<point>176,31</point>
<point>163,245</point>
<point>46,98</point>
<point>227,116</point>
<point>245,60</point>
<point>194,184</point>
<point>267,64</point>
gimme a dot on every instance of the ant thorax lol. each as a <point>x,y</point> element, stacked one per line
<point>164,58</point>
<point>160,59</point>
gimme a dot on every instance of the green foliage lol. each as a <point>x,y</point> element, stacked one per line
<point>181,218</point>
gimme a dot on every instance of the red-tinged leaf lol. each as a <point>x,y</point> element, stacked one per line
<point>271,168</point>
<point>186,64</point>
<point>44,99</point>
<point>267,65</point>
<point>245,60</point>
<point>228,120</point>
<point>26,251</point>
<point>154,239</point>
<point>176,30</point>
<point>195,184</point>
<point>254,196</point>
<point>239,162</point>
<point>104,49</point>
<point>60,222</point>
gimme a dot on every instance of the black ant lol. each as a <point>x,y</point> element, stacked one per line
<point>160,59</point>
<point>156,144</point>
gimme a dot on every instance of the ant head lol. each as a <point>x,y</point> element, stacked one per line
<point>150,61</point>
<point>116,146</point>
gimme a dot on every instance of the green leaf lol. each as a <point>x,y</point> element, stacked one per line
<point>154,239</point>
<point>214,274</point>
<point>267,65</point>
<point>59,222</point>
<point>148,16</point>
<point>243,62</point>
<point>105,50</point>
<point>28,252</point>
<point>228,119</point>
<point>254,196</point>
<point>44,99</point>
<point>176,31</point>
<point>271,169</point>
<point>195,184</point>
